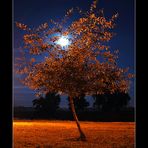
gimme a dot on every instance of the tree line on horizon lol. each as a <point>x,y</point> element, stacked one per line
<point>49,104</point>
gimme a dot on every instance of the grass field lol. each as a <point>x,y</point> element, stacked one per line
<point>63,134</point>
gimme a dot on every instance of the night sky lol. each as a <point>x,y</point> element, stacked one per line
<point>33,13</point>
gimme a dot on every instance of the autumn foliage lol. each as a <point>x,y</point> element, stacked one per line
<point>86,66</point>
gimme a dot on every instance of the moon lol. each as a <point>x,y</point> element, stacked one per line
<point>63,41</point>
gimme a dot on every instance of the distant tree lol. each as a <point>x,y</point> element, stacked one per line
<point>47,106</point>
<point>80,103</point>
<point>86,66</point>
<point>111,102</point>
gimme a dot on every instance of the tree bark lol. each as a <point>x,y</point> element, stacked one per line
<point>82,135</point>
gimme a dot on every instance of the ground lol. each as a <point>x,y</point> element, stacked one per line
<point>63,134</point>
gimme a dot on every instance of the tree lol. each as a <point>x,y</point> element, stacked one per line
<point>111,102</point>
<point>80,103</point>
<point>86,66</point>
<point>47,106</point>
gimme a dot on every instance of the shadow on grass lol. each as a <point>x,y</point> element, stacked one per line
<point>75,139</point>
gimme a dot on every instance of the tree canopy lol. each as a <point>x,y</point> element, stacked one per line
<point>87,66</point>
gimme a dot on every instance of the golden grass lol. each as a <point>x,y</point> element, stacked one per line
<point>63,134</point>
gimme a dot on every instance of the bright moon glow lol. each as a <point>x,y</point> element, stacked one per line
<point>63,41</point>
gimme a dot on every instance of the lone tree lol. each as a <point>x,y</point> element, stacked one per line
<point>85,66</point>
<point>47,106</point>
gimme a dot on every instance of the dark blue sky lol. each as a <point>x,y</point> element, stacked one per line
<point>33,13</point>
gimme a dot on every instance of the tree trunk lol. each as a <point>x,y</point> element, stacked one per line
<point>82,135</point>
